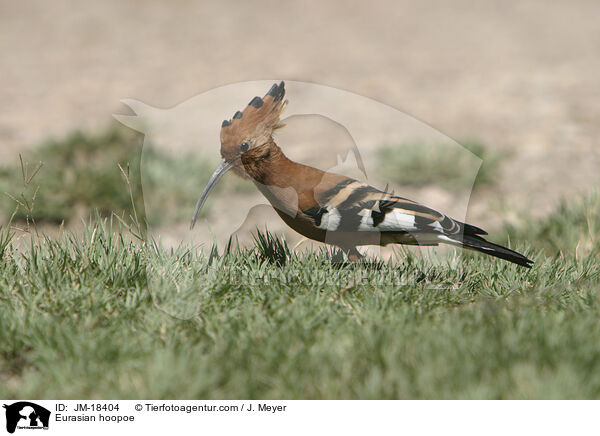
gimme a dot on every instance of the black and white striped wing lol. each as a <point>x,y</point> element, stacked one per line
<point>352,206</point>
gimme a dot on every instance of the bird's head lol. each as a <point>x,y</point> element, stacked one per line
<point>247,133</point>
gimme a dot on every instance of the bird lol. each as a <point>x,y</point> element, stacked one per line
<point>329,207</point>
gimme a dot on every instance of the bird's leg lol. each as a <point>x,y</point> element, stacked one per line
<point>354,255</point>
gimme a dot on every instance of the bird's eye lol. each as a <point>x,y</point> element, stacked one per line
<point>244,146</point>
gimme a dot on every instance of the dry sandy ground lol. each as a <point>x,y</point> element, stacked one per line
<point>521,76</point>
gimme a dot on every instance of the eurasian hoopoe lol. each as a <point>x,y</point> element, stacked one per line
<point>329,207</point>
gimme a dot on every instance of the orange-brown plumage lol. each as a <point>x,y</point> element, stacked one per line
<point>330,207</point>
<point>253,126</point>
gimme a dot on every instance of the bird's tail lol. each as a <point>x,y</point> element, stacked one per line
<point>477,243</point>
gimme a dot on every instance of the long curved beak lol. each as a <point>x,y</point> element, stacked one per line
<point>223,167</point>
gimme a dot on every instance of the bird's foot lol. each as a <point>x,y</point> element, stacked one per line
<point>354,255</point>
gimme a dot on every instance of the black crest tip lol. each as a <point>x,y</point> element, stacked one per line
<point>225,123</point>
<point>280,91</point>
<point>256,102</point>
<point>237,115</point>
<point>273,90</point>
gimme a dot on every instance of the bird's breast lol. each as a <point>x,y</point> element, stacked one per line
<point>283,199</point>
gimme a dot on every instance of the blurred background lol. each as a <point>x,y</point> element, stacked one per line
<point>514,82</point>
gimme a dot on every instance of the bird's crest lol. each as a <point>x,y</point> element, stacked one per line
<point>255,124</point>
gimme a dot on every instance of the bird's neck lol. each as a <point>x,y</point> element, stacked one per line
<point>283,182</point>
<point>269,166</point>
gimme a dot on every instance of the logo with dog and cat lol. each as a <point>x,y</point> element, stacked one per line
<point>25,415</point>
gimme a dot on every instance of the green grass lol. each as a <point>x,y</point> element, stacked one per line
<point>422,164</point>
<point>79,175</point>
<point>573,229</point>
<point>106,317</point>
